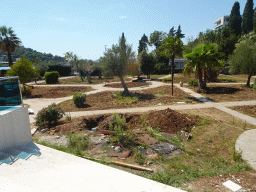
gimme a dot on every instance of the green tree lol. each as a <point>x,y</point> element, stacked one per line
<point>226,41</point>
<point>178,33</point>
<point>172,32</point>
<point>172,47</point>
<point>254,21</point>
<point>235,19</point>
<point>143,44</point>
<point>247,25</point>
<point>146,62</point>
<point>25,70</point>
<point>8,42</point>
<point>156,38</point>
<point>244,58</point>
<point>204,56</point>
<point>117,59</point>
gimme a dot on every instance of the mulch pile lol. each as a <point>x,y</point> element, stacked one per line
<point>129,84</point>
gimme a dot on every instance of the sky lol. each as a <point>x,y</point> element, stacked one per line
<point>86,26</point>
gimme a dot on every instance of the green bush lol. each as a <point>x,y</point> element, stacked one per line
<point>26,92</point>
<point>193,82</point>
<point>52,77</point>
<point>167,79</point>
<point>253,86</point>
<point>47,115</point>
<point>79,99</point>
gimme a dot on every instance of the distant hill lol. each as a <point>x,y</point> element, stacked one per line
<point>33,54</point>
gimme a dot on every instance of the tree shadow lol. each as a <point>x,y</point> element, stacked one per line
<point>142,96</point>
<point>220,90</point>
<point>83,106</point>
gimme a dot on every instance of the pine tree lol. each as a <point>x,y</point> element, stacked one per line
<point>235,19</point>
<point>143,44</point>
<point>247,25</point>
<point>172,32</point>
<point>179,34</point>
<point>254,21</point>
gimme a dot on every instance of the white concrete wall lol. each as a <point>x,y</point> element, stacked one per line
<point>15,128</point>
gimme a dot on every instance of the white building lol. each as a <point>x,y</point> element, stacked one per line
<point>221,22</point>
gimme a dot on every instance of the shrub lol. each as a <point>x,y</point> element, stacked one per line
<point>139,157</point>
<point>254,85</point>
<point>193,82</point>
<point>52,77</point>
<point>50,114</point>
<point>79,99</point>
<point>167,79</point>
<point>26,92</point>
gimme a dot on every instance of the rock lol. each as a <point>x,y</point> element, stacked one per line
<point>94,129</point>
<point>44,130</point>
<point>146,139</point>
<point>57,137</point>
<point>185,135</point>
<point>124,154</point>
<point>164,148</point>
<point>98,140</point>
<point>118,149</point>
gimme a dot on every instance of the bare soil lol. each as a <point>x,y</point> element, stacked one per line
<point>128,84</point>
<point>222,93</point>
<point>148,97</point>
<point>56,92</point>
<point>246,109</point>
<point>247,180</point>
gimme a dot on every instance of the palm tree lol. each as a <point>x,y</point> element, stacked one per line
<point>204,57</point>
<point>173,47</point>
<point>8,42</point>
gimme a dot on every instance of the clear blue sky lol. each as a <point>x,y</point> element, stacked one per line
<point>84,27</point>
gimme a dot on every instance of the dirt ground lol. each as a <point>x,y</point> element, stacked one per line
<point>56,92</point>
<point>247,180</point>
<point>223,93</point>
<point>246,109</point>
<point>149,97</point>
<point>129,84</point>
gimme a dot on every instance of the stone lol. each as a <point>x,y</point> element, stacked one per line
<point>164,147</point>
<point>118,149</point>
<point>98,140</point>
<point>57,137</point>
<point>44,130</point>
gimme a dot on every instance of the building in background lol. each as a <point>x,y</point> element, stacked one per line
<point>221,22</point>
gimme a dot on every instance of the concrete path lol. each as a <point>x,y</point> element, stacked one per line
<point>54,170</point>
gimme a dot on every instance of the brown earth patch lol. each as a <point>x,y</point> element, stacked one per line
<point>247,180</point>
<point>222,93</point>
<point>56,92</point>
<point>129,84</point>
<point>246,109</point>
<point>147,97</point>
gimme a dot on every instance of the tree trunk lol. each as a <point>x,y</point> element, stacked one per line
<point>126,91</point>
<point>248,81</point>
<point>200,77</point>
<point>9,58</point>
<point>89,77</point>
<point>172,71</point>
<point>148,76</point>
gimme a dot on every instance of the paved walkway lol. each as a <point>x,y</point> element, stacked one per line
<point>248,148</point>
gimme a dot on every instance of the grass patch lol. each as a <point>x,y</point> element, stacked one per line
<point>124,100</point>
<point>167,79</point>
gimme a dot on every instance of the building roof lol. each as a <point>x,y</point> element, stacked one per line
<point>219,20</point>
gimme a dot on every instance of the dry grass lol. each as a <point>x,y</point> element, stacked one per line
<point>246,109</point>
<point>223,93</point>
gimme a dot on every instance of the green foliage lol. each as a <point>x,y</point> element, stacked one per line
<point>179,34</point>
<point>243,60</point>
<point>247,24</point>
<point>68,116</point>
<point>139,157</point>
<point>143,44</point>
<point>254,22</point>
<point>167,79</point>
<point>26,92</point>
<point>124,100</point>
<point>237,156</point>
<point>146,62</point>
<point>77,144</point>
<point>24,69</point>
<point>118,126</point>
<point>193,82</point>
<point>42,66</point>
<point>117,59</point>
<point>172,32</point>
<point>156,38</point>
<point>47,115</point>
<point>253,86</point>
<point>235,19</point>
<point>133,68</point>
<point>79,99</point>
<point>52,77</point>
<point>8,42</point>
